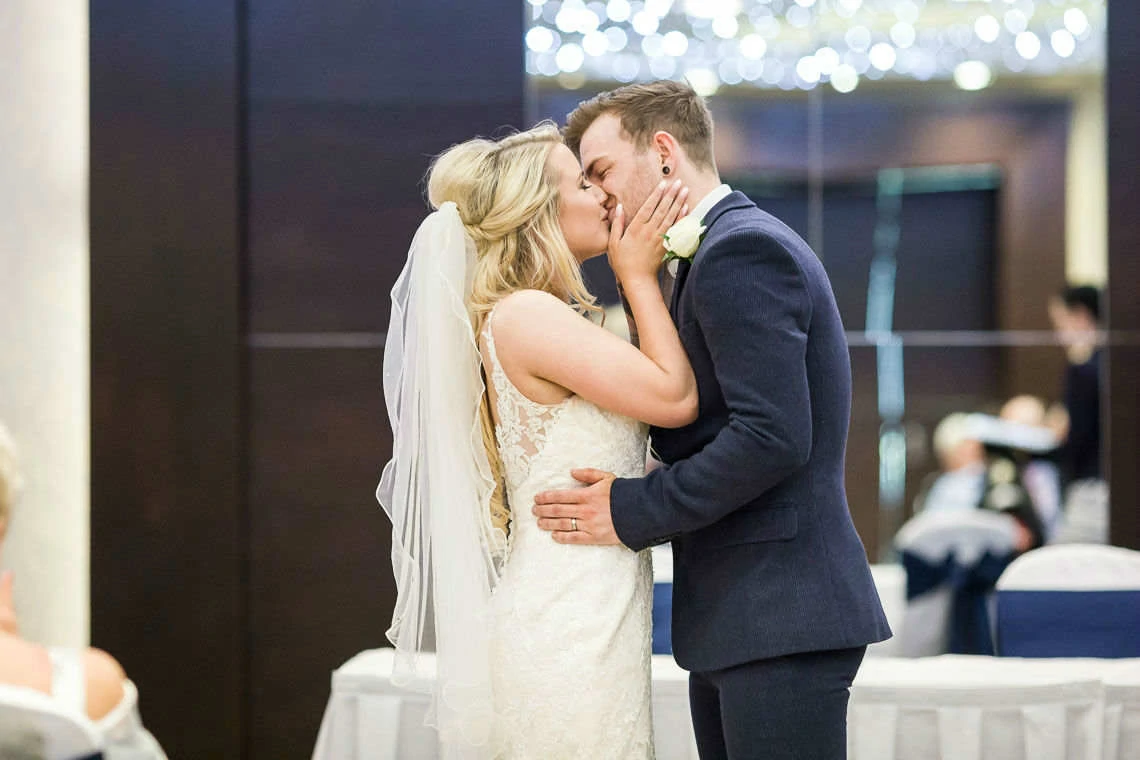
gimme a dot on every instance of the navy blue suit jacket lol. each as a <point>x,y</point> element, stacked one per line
<point>766,559</point>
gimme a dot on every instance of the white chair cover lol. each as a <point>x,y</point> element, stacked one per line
<point>1074,567</point>
<point>123,733</point>
<point>936,538</point>
<point>1070,600</point>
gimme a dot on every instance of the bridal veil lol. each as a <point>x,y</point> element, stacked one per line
<point>437,488</point>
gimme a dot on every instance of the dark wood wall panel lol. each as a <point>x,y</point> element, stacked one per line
<point>167,538</point>
<point>1122,412</point>
<point>256,169</point>
<point>321,582</point>
<point>337,192</point>
<point>348,103</point>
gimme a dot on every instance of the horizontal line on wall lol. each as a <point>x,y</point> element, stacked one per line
<point>956,338</point>
<point>911,338</point>
<point>984,338</point>
<point>317,340</point>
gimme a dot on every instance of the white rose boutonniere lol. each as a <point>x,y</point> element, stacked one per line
<point>683,238</point>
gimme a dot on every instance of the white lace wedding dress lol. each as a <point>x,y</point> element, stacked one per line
<point>572,624</point>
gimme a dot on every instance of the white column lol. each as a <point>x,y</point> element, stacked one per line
<point>1086,191</point>
<point>44,386</point>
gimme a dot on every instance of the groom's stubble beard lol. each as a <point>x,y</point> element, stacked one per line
<point>642,181</point>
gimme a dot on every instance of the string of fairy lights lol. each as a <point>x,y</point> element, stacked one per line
<point>802,44</point>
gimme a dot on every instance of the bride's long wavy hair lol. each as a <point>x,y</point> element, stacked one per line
<point>508,199</point>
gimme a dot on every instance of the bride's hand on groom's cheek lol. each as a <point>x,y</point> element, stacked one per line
<point>580,515</point>
<point>637,245</point>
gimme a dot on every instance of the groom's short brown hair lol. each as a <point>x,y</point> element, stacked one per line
<point>647,108</point>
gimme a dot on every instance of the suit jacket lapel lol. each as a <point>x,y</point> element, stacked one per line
<point>735,199</point>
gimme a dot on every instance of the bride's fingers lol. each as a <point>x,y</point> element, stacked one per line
<point>645,213</point>
<point>617,226</point>
<point>665,204</point>
<point>677,210</point>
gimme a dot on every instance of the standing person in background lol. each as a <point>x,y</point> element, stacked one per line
<point>1075,314</point>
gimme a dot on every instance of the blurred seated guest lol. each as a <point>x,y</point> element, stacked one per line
<point>1008,447</point>
<point>88,681</point>
<point>1075,314</point>
<point>1039,472</point>
<point>961,457</point>
<point>955,548</point>
<point>981,458</point>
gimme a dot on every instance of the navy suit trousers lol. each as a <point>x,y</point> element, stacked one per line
<point>783,708</point>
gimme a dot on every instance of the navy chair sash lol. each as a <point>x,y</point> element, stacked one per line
<point>1068,623</point>
<point>662,618</point>
<point>969,623</point>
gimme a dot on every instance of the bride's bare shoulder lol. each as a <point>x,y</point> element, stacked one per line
<point>533,327</point>
<point>530,300</point>
<point>528,311</point>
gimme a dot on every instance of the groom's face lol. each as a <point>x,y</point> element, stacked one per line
<point>611,161</point>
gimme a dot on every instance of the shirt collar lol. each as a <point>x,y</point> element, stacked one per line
<point>715,196</point>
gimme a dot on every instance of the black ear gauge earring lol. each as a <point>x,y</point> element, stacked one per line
<point>664,169</point>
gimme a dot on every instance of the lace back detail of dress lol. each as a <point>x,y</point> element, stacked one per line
<point>523,426</point>
<point>590,696</point>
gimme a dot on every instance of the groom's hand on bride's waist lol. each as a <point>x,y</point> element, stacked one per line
<point>579,515</point>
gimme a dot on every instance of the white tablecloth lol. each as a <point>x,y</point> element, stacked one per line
<point>368,718</point>
<point>957,707</point>
<point>938,708</point>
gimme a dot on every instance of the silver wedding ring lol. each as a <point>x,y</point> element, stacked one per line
<point>573,524</point>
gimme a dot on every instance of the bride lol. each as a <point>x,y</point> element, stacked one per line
<point>497,388</point>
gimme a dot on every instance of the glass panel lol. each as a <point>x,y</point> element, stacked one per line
<point>980,128</point>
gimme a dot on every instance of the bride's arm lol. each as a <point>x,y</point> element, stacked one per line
<point>537,336</point>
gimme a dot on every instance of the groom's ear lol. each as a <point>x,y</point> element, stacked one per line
<point>665,145</point>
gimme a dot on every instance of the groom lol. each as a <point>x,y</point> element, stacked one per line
<point>773,602</point>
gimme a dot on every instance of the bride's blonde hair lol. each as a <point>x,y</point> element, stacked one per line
<point>507,197</point>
